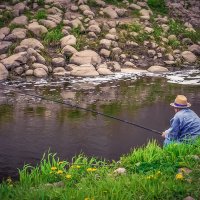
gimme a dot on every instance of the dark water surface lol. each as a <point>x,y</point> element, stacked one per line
<point>29,127</point>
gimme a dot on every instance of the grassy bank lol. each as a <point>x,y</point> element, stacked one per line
<point>151,173</point>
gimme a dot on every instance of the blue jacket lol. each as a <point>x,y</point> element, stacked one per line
<point>184,125</point>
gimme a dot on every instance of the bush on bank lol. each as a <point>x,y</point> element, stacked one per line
<point>151,173</point>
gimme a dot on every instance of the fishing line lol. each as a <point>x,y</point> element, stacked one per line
<point>86,109</point>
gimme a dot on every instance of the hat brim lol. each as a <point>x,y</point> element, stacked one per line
<point>175,106</point>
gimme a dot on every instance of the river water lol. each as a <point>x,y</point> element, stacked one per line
<point>30,126</point>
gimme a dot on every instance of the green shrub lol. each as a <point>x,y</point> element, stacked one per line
<point>158,6</point>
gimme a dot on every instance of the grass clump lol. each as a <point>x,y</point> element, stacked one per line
<point>41,14</point>
<point>151,173</point>
<point>174,44</point>
<point>53,36</point>
<point>5,18</point>
<point>158,6</point>
<point>177,28</point>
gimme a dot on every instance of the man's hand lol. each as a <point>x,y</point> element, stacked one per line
<point>164,134</point>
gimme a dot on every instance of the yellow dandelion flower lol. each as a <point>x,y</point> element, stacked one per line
<point>61,162</point>
<point>87,198</point>
<point>78,166</point>
<point>91,169</point>
<point>68,176</point>
<point>54,168</point>
<point>179,176</point>
<point>59,172</point>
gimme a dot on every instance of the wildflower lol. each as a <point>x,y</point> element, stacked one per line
<point>179,176</point>
<point>59,172</point>
<point>150,177</point>
<point>68,176</point>
<point>91,169</point>
<point>54,168</point>
<point>61,162</point>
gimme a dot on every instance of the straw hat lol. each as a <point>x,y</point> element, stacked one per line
<point>180,102</point>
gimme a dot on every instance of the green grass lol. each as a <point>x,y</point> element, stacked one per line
<point>174,44</point>
<point>151,174</point>
<point>53,36</point>
<point>177,28</point>
<point>40,14</point>
<point>5,18</point>
<point>158,6</point>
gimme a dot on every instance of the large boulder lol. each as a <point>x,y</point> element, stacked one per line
<point>15,60</point>
<point>48,23</point>
<point>109,11</point>
<point>4,46</point>
<point>37,29</point>
<point>22,20</point>
<point>195,49</point>
<point>32,43</point>
<point>3,72</point>
<point>94,28</point>
<point>39,73</point>
<point>69,50</point>
<point>17,34</point>
<point>188,56</point>
<point>104,71</point>
<point>58,62</point>
<point>85,57</point>
<point>84,71</point>
<point>68,40</point>
<point>156,68</point>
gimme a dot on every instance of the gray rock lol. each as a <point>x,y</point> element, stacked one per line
<point>111,37</point>
<point>85,57</point>
<point>88,13</point>
<point>77,23</point>
<point>55,18</point>
<point>94,28</point>
<point>69,50</point>
<point>32,43</point>
<point>121,12</point>
<point>15,60</point>
<point>172,37</point>
<point>37,29</point>
<point>58,62</point>
<point>189,56</point>
<point>109,11</point>
<point>48,23</point>
<point>3,72</point>
<point>74,8</point>
<point>19,8</point>
<point>187,41</point>
<point>60,71</point>
<point>134,6</point>
<point>39,73</point>
<point>189,198</point>
<point>29,72</point>
<point>105,53</point>
<point>68,40</point>
<point>195,49</point>
<point>157,69</point>
<point>17,34</point>
<point>100,3</point>
<point>151,53</point>
<point>5,31</point>
<point>104,71</point>
<point>84,71</point>
<point>22,20</point>
<point>129,64</point>
<point>4,46</point>
<point>84,7</point>
<point>92,35</point>
<point>105,43</point>
<point>19,70</point>
<point>39,65</point>
<point>114,66</point>
<point>116,51</point>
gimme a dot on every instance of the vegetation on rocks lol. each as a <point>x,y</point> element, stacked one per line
<point>150,172</point>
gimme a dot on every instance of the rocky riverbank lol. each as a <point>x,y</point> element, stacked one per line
<point>91,38</point>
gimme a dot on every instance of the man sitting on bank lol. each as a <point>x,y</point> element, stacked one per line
<point>185,125</point>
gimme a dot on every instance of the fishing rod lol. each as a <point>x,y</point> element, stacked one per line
<point>86,109</point>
